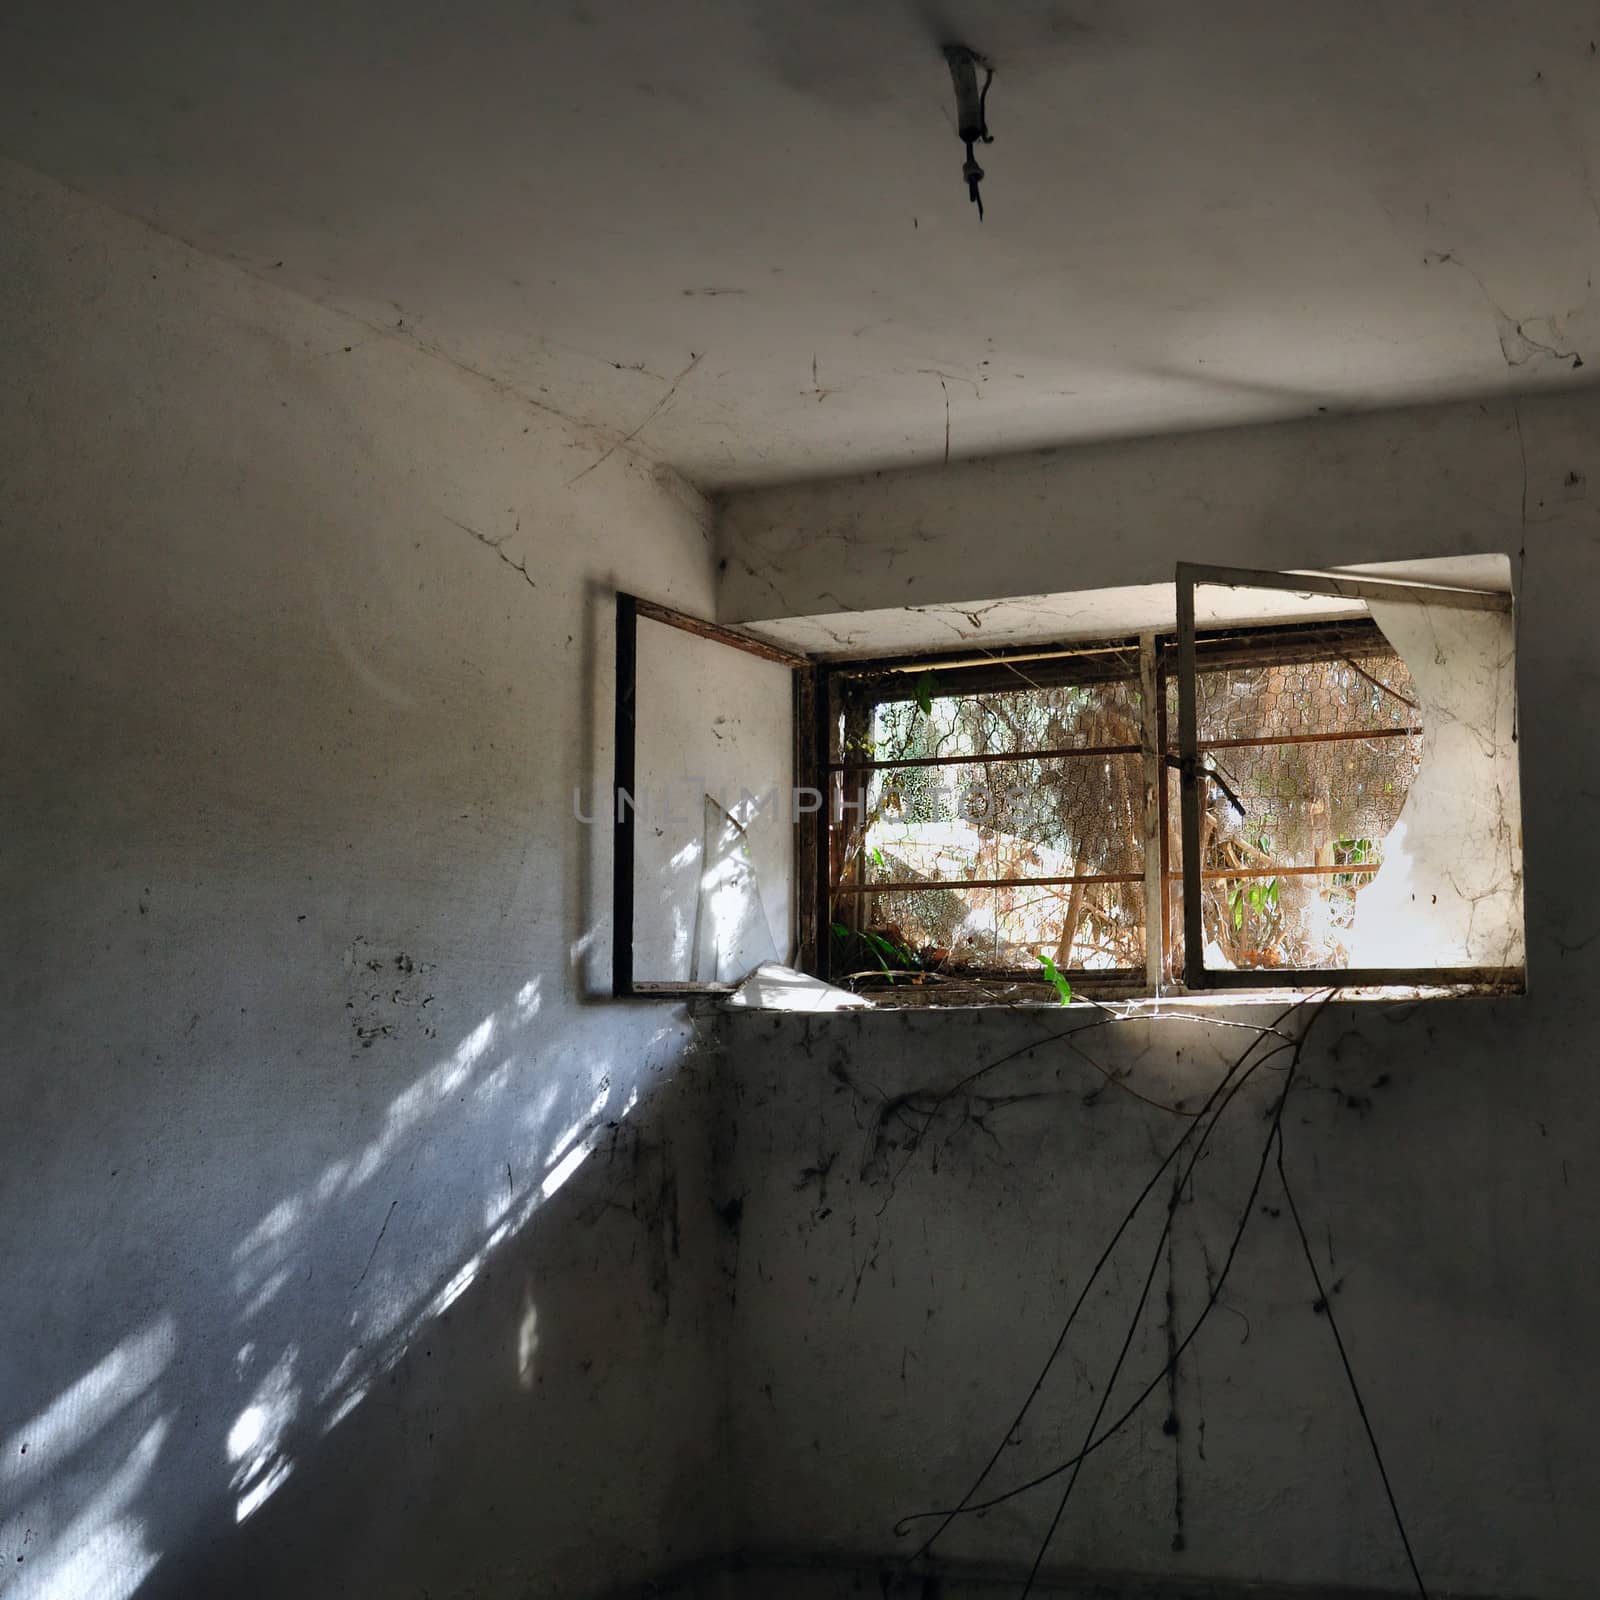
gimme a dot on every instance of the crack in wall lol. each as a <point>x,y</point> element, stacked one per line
<point>496,546</point>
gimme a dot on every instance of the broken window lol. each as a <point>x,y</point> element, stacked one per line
<point>1349,779</point>
<point>1308,781</point>
<point>1378,838</point>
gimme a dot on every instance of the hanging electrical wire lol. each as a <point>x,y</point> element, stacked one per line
<point>1227,1089</point>
<point>1144,1295</point>
<point>1221,1088</point>
<point>1326,1303</point>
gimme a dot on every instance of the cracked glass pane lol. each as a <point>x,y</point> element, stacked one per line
<point>1451,882</point>
<point>1361,806</point>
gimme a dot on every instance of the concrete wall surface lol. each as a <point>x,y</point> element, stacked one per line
<point>778,1576</point>
<point>907,1249</point>
<point>1445,480</point>
<point>348,1248</point>
<point>352,1249</point>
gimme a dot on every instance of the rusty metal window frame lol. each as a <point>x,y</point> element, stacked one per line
<point>962,675</point>
<point>1158,652</point>
<point>1191,775</point>
<point>630,608</point>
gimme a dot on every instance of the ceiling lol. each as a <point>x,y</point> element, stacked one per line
<point>735,231</point>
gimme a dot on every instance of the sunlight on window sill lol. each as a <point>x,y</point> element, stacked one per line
<point>774,987</point>
<point>784,990</point>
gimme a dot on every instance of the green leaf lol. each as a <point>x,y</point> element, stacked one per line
<point>924,693</point>
<point>872,943</point>
<point>877,859</point>
<point>883,948</point>
<point>1053,973</point>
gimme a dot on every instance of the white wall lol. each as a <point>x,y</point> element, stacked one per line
<point>300,1066</point>
<point>888,1327</point>
<point>254,1169</point>
<point>1391,486</point>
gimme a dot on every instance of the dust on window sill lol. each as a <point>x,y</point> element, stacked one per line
<point>813,995</point>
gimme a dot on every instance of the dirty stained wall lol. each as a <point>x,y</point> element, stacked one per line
<point>900,1278</point>
<point>349,1247</point>
<point>331,1270</point>
<point>1434,481</point>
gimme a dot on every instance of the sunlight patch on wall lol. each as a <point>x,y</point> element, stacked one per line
<point>108,1563</point>
<point>454,1289</point>
<point>528,1000</point>
<point>423,1096</point>
<point>301,1361</point>
<point>569,1164</point>
<point>559,1145</point>
<point>277,1222</point>
<point>267,1293</point>
<point>255,1441</point>
<point>263,1489</point>
<point>80,1412</point>
<point>100,1554</point>
<point>392,1308</point>
<point>347,1403</point>
<point>392,1318</point>
<point>332,1177</point>
<point>495,1083</point>
<point>527,1340</point>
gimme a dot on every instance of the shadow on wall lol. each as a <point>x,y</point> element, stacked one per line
<point>150,1470</point>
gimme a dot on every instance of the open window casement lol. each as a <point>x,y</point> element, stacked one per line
<point>1350,807</point>
<point>706,799</point>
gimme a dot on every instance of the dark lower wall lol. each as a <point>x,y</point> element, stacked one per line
<point>843,1577</point>
<point>908,1249</point>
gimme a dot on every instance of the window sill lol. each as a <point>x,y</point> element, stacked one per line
<point>782,989</point>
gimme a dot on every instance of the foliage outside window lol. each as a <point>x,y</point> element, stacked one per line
<point>1004,822</point>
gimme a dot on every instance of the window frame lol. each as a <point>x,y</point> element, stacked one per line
<point>629,609</point>
<point>986,666</point>
<point>1164,655</point>
<point>1197,976</point>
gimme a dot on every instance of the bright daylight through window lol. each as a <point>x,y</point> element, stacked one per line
<point>1352,801</point>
